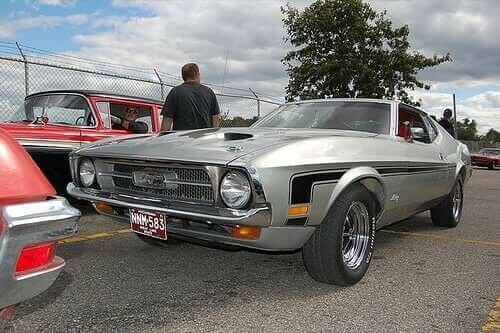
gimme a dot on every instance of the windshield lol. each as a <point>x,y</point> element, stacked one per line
<point>490,151</point>
<point>356,116</point>
<point>58,109</point>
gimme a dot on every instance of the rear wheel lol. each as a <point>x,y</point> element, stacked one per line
<point>449,212</point>
<point>340,250</point>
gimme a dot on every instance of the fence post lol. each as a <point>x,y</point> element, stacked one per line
<point>26,72</point>
<point>161,83</point>
<point>258,102</point>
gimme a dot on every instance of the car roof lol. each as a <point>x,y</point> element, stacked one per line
<point>370,100</point>
<point>97,93</point>
<point>361,100</point>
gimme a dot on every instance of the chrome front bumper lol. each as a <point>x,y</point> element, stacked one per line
<point>260,216</point>
<point>278,238</point>
<point>27,224</point>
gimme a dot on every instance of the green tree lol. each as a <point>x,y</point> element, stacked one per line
<point>344,48</point>
<point>467,130</point>
<point>491,136</point>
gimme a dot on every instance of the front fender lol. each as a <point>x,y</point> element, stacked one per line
<point>463,162</point>
<point>367,176</point>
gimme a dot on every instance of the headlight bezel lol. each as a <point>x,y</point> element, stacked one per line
<point>87,161</point>
<point>247,198</point>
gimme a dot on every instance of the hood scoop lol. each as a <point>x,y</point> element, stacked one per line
<point>236,136</point>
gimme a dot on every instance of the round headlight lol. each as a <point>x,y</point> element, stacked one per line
<point>235,189</point>
<point>87,172</point>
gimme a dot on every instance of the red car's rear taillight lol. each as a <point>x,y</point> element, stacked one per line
<point>35,256</point>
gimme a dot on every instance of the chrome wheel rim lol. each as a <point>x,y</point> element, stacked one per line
<point>356,235</point>
<point>457,201</point>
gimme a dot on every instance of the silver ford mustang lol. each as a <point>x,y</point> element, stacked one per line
<point>321,176</point>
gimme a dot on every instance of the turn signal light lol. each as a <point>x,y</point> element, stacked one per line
<point>298,210</point>
<point>104,208</point>
<point>35,256</point>
<point>245,232</point>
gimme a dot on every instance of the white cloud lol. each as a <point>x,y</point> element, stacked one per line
<point>43,21</point>
<point>249,34</point>
<point>488,99</point>
<point>6,30</point>
<point>483,107</point>
<point>9,28</point>
<point>63,3</point>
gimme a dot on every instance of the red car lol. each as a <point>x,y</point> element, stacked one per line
<point>487,157</point>
<point>32,220</point>
<point>51,124</point>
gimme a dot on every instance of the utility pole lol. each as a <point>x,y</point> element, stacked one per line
<point>455,116</point>
<point>26,72</point>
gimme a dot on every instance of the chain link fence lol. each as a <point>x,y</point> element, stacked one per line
<point>475,146</point>
<point>26,74</point>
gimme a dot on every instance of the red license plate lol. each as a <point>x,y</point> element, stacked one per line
<point>148,223</point>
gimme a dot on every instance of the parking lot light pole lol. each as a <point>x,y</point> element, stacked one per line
<point>455,117</point>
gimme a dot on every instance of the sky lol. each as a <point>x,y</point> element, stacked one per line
<point>240,43</point>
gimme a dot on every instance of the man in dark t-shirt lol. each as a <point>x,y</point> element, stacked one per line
<point>446,122</point>
<point>190,105</point>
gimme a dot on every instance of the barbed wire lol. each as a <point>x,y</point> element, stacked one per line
<point>102,66</point>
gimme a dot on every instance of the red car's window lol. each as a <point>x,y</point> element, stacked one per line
<point>144,116</point>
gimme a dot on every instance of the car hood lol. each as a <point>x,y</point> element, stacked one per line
<point>28,130</point>
<point>213,146</point>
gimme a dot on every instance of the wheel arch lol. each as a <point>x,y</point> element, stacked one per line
<point>463,168</point>
<point>369,178</point>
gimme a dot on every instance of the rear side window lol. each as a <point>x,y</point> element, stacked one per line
<point>430,128</point>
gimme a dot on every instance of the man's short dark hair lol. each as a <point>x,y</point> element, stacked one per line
<point>190,71</point>
<point>447,113</point>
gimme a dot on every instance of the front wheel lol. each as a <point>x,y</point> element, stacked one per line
<point>449,212</point>
<point>340,250</point>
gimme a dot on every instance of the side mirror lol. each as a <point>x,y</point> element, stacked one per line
<point>417,133</point>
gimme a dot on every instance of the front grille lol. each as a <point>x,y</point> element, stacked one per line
<point>190,184</point>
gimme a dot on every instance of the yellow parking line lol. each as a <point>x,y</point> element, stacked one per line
<point>83,238</point>
<point>124,231</point>
<point>453,239</point>
<point>493,322</point>
<point>73,240</point>
<point>100,235</point>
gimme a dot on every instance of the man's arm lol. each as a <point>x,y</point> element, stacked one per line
<point>166,124</point>
<point>216,120</point>
<point>169,110</point>
<point>214,111</point>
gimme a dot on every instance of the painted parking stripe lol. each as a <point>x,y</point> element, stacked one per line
<point>100,235</point>
<point>493,322</point>
<point>446,238</point>
<point>108,234</point>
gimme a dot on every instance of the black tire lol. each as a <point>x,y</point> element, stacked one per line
<point>323,253</point>
<point>490,166</point>
<point>444,215</point>
<point>157,242</point>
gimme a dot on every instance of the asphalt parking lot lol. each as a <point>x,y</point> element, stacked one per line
<point>422,278</point>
